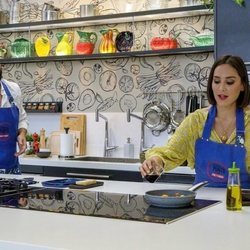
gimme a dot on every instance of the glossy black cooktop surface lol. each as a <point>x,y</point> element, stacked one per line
<point>99,204</point>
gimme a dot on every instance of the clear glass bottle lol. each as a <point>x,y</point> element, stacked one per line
<point>234,198</point>
<point>128,149</point>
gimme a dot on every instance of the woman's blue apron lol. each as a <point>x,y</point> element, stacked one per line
<point>9,119</point>
<point>213,159</point>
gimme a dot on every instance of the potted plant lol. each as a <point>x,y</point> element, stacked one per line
<point>241,3</point>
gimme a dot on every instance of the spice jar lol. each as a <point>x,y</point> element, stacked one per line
<point>234,198</point>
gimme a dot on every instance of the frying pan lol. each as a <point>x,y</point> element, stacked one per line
<point>170,198</point>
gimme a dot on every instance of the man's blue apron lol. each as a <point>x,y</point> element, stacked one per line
<point>9,119</point>
<point>213,159</point>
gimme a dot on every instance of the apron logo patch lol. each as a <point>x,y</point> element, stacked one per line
<point>217,171</point>
<point>4,132</point>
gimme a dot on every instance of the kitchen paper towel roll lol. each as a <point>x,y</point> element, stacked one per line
<point>66,145</point>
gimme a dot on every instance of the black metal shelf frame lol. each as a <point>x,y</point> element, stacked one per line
<point>178,51</point>
<point>109,19</point>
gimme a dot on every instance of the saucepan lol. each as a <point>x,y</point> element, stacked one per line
<point>172,198</point>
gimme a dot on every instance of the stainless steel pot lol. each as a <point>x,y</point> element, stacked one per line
<point>156,116</point>
<point>50,12</point>
<point>50,15</point>
<point>87,10</point>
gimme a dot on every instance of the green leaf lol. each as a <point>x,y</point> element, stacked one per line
<point>241,3</point>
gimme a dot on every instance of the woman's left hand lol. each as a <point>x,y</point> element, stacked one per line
<point>22,145</point>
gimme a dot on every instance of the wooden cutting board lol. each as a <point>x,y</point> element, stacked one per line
<point>76,122</point>
<point>54,141</point>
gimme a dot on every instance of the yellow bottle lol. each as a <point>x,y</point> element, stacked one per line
<point>234,197</point>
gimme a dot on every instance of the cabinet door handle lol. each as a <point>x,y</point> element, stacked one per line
<point>89,175</point>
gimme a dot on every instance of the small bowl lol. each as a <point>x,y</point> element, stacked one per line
<point>44,154</point>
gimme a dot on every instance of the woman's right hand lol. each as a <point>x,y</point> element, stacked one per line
<point>151,164</point>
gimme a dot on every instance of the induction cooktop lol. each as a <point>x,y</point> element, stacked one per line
<point>98,204</point>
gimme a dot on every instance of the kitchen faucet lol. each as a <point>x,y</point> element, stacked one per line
<point>142,140</point>
<point>107,148</point>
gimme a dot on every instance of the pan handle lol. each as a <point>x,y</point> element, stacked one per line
<point>198,185</point>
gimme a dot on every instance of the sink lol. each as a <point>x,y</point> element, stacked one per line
<point>106,159</point>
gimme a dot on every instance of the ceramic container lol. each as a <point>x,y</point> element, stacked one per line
<point>124,41</point>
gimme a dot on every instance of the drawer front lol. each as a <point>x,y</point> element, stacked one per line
<point>101,174</point>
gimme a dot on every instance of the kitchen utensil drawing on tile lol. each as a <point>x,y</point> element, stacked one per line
<point>115,63</point>
<point>72,92</point>
<point>198,57</point>
<point>71,7</point>
<point>184,33</point>
<point>105,104</point>
<point>126,102</point>
<point>48,97</point>
<point>64,67</point>
<point>61,85</point>
<point>71,107</point>
<point>86,100</point>
<point>108,81</point>
<point>192,71</point>
<point>203,76</point>
<point>39,84</point>
<point>171,93</point>
<point>151,83</point>
<point>98,68</point>
<point>135,69</point>
<point>143,62</point>
<point>87,76</point>
<point>126,83</point>
<point>26,71</point>
<point>127,6</point>
<point>139,29</point>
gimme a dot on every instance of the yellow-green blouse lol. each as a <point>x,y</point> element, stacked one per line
<point>181,145</point>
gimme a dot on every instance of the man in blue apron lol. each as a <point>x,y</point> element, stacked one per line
<point>211,139</point>
<point>13,126</point>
